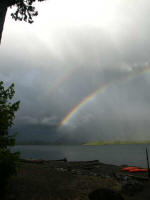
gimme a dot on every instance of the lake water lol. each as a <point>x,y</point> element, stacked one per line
<point>132,154</point>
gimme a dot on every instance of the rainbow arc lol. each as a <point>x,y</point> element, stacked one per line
<point>120,79</point>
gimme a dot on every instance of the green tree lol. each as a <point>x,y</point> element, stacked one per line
<point>8,160</point>
<point>25,11</point>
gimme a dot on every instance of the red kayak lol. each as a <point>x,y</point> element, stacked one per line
<point>128,168</point>
<point>134,169</point>
<point>138,170</point>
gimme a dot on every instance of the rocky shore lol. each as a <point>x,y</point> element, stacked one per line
<point>62,179</point>
<point>129,183</point>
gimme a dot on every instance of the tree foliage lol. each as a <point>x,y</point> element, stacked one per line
<point>8,160</point>
<point>25,10</point>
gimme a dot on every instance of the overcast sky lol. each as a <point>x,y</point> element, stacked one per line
<point>72,49</point>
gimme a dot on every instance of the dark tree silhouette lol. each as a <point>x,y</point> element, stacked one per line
<point>8,161</point>
<point>25,11</point>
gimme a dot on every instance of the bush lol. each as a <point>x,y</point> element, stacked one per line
<point>8,160</point>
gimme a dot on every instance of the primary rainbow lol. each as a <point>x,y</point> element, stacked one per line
<point>82,102</point>
<point>129,76</point>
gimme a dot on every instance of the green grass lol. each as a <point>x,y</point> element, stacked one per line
<point>117,142</point>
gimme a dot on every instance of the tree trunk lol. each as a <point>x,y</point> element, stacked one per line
<point>3,11</point>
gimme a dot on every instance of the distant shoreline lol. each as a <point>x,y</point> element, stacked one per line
<point>92,143</point>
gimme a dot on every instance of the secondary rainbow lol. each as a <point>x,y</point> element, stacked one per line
<point>61,81</point>
<point>128,76</point>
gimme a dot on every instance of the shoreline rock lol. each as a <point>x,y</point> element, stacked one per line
<point>124,182</point>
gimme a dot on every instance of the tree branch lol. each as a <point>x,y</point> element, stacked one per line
<point>11,3</point>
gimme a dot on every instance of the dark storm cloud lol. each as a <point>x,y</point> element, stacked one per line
<point>50,82</point>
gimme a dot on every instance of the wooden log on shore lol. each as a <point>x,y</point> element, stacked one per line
<point>64,160</point>
<point>31,161</point>
<point>41,161</point>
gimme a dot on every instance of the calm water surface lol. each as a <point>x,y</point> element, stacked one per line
<point>132,154</point>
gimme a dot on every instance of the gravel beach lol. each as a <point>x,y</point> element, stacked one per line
<point>63,180</point>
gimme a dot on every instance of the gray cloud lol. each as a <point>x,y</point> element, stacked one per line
<point>52,77</point>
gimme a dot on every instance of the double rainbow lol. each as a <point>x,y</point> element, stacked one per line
<point>129,76</point>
